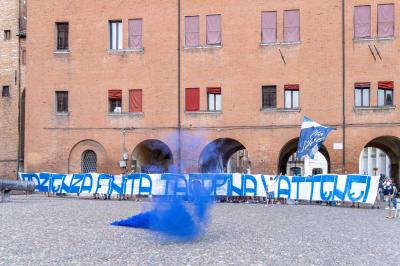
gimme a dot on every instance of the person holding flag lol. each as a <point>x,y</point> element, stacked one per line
<point>312,136</point>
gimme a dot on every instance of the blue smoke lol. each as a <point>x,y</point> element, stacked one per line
<point>174,218</point>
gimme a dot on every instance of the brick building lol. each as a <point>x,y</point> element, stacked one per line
<point>191,83</point>
<point>12,77</point>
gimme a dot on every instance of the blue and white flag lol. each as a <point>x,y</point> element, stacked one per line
<point>312,136</point>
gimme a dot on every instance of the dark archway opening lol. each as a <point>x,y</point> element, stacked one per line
<point>391,147</point>
<point>287,161</point>
<point>224,155</point>
<point>152,157</point>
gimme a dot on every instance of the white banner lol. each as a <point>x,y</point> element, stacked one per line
<point>350,188</point>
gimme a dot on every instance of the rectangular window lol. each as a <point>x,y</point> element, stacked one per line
<point>291,26</point>
<point>115,101</point>
<point>62,36</point>
<point>268,97</point>
<point>386,20</point>
<point>192,97</point>
<point>6,91</point>
<point>7,35</point>
<point>135,38</point>
<point>385,93</point>
<point>214,36</point>
<point>62,101</point>
<point>361,94</point>
<point>135,101</point>
<point>116,35</point>
<point>362,22</point>
<point>214,99</point>
<point>192,31</point>
<point>292,96</point>
<point>268,27</point>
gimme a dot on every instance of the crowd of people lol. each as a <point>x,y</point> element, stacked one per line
<point>387,192</point>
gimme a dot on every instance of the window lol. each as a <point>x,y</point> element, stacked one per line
<point>192,31</point>
<point>7,35</point>
<point>291,26</point>
<point>362,22</point>
<point>317,171</point>
<point>116,35</point>
<point>62,101</point>
<point>192,97</point>
<point>361,94</point>
<point>292,96</point>
<point>135,34</point>
<point>268,97</point>
<point>6,91</point>
<point>268,27</point>
<point>385,93</point>
<point>295,171</point>
<point>135,101</point>
<point>89,162</point>
<point>386,20</point>
<point>214,30</point>
<point>214,100</point>
<point>115,101</point>
<point>62,36</point>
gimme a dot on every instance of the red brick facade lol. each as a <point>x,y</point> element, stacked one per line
<point>240,66</point>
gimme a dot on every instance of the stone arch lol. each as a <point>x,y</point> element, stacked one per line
<point>77,151</point>
<point>391,146</point>
<point>152,156</point>
<point>290,148</point>
<point>215,156</point>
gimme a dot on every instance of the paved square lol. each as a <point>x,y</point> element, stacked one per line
<point>37,230</point>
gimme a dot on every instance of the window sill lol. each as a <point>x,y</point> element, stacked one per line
<point>374,108</point>
<point>204,47</point>
<point>61,51</point>
<point>62,114</point>
<point>280,43</point>
<point>370,39</point>
<point>126,51</point>
<point>203,112</point>
<point>280,110</point>
<point>126,114</point>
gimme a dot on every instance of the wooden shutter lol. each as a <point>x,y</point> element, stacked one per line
<point>192,99</point>
<point>135,101</point>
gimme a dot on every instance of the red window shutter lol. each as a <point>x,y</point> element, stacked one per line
<point>386,84</point>
<point>115,94</point>
<point>214,90</point>
<point>192,99</point>
<point>135,101</point>
<point>358,85</point>
<point>294,87</point>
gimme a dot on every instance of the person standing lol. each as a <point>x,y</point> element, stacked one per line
<point>386,192</point>
<point>271,190</point>
<point>394,196</point>
<point>379,196</point>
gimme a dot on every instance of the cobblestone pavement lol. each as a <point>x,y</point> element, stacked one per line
<point>37,230</point>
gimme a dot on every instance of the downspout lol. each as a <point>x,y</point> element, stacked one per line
<point>179,90</point>
<point>19,90</point>
<point>343,87</point>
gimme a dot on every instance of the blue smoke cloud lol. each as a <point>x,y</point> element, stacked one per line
<point>170,216</point>
<point>173,218</point>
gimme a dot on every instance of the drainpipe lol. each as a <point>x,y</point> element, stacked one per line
<point>19,91</point>
<point>344,86</point>
<point>179,90</point>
